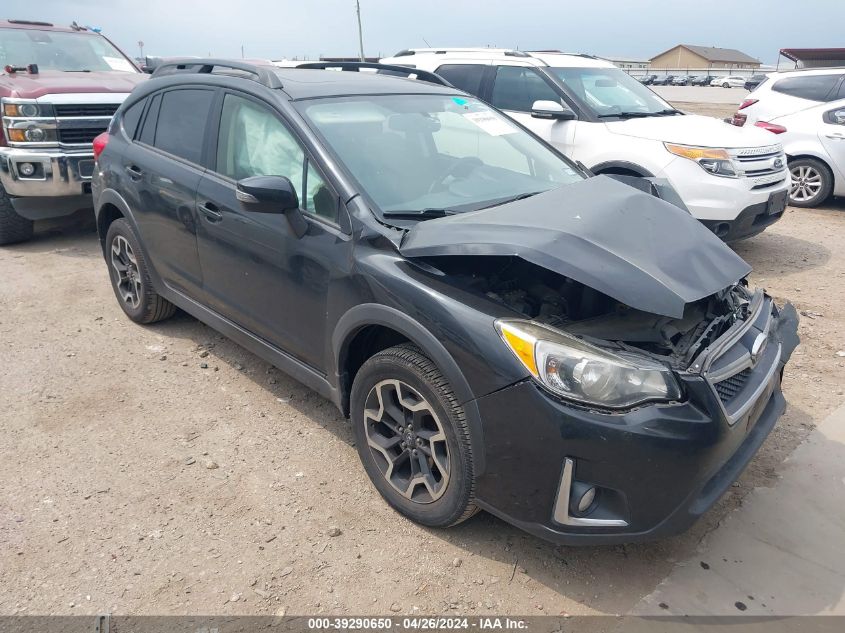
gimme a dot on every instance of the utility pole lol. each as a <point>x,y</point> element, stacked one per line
<point>141,47</point>
<point>242,51</point>
<point>360,31</point>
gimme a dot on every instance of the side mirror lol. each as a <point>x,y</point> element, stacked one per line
<point>272,194</point>
<point>837,117</point>
<point>552,110</point>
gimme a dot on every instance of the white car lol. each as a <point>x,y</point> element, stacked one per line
<point>729,82</point>
<point>734,180</point>
<point>806,110</point>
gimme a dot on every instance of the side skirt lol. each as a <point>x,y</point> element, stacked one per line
<point>296,369</point>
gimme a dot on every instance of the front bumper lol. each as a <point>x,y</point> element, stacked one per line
<point>750,222</point>
<point>712,198</point>
<point>60,184</point>
<point>657,468</point>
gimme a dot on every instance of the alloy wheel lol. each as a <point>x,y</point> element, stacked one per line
<point>407,441</point>
<point>128,281</point>
<point>806,183</point>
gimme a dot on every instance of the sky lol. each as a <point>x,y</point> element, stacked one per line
<point>276,29</point>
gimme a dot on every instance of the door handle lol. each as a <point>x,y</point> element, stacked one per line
<point>836,137</point>
<point>210,211</point>
<point>134,172</point>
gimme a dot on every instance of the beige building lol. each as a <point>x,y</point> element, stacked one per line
<point>687,56</point>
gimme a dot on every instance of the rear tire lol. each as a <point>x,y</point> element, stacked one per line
<point>413,438</point>
<point>812,182</point>
<point>130,276</point>
<point>13,227</point>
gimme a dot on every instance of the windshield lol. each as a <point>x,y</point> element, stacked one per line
<point>435,154</point>
<point>609,92</point>
<point>59,50</point>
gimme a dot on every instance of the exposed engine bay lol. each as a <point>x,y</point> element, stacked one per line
<point>552,299</point>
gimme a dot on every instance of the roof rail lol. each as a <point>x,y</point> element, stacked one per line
<point>262,74</point>
<point>387,69</point>
<point>30,22</point>
<point>443,51</point>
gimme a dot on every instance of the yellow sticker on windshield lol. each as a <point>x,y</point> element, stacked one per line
<point>490,123</point>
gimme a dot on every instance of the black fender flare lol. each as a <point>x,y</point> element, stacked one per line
<point>367,314</point>
<point>622,164</point>
<point>110,196</point>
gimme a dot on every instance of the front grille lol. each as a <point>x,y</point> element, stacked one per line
<point>729,387</point>
<point>81,135</point>
<point>85,109</point>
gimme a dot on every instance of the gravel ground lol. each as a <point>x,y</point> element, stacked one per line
<point>165,470</point>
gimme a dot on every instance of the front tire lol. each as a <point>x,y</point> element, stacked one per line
<point>413,438</point>
<point>726,85</point>
<point>13,227</point>
<point>130,277</point>
<point>812,182</point>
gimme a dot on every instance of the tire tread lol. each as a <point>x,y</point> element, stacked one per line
<point>413,357</point>
<point>13,227</point>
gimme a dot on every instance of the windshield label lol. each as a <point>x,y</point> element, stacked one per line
<point>116,63</point>
<point>490,123</point>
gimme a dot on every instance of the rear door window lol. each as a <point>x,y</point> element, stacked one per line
<point>182,118</point>
<point>517,88</point>
<point>812,87</point>
<point>466,77</point>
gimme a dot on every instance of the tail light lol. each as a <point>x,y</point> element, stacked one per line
<point>739,119</point>
<point>747,102</point>
<point>100,142</point>
<point>771,127</point>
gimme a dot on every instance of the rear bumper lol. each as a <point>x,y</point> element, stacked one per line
<point>657,469</point>
<point>59,185</point>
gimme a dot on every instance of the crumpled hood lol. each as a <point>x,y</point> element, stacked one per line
<point>692,129</point>
<point>25,86</point>
<point>627,244</point>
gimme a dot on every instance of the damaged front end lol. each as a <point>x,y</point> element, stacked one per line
<point>607,294</point>
<point>597,351</point>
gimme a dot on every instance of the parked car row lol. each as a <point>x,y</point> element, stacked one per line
<point>805,109</point>
<point>441,246</point>
<point>696,80</point>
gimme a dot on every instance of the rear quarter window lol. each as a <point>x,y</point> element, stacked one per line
<point>466,77</point>
<point>132,116</point>
<point>811,87</point>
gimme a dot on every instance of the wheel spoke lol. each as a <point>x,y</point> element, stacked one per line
<point>407,441</point>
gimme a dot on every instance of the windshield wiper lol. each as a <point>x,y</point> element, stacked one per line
<point>639,115</point>
<point>415,215</point>
<point>81,70</point>
<point>521,196</point>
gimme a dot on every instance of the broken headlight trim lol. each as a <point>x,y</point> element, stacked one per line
<point>584,373</point>
<point>713,160</point>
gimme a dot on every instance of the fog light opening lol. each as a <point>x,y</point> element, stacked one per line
<point>26,169</point>
<point>586,500</point>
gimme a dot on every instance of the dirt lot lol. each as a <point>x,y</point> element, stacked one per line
<point>165,470</point>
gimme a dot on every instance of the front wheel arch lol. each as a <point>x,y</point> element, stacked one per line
<point>374,315</point>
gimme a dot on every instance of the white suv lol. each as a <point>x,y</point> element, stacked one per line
<point>734,180</point>
<point>806,109</point>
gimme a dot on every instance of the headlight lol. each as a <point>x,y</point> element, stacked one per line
<point>31,134</point>
<point>27,110</point>
<point>713,160</point>
<point>584,373</point>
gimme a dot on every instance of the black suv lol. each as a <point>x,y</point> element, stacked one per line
<point>571,353</point>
